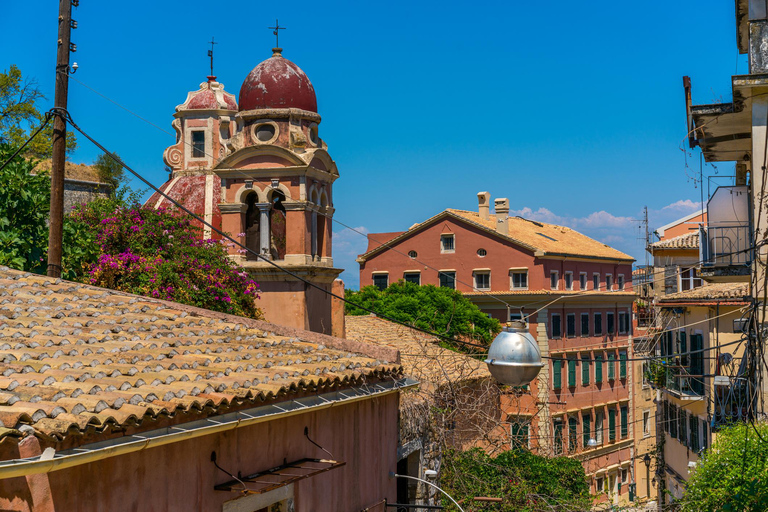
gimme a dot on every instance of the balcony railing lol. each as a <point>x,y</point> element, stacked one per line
<point>727,246</point>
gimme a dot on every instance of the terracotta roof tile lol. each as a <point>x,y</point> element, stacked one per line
<point>712,291</point>
<point>75,357</point>
<point>686,241</point>
<point>421,356</point>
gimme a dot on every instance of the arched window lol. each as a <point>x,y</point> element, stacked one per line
<point>277,228</point>
<point>252,233</point>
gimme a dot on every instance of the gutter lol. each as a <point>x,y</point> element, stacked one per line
<point>89,453</point>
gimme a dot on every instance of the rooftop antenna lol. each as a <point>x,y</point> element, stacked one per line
<point>275,32</point>
<point>210,54</point>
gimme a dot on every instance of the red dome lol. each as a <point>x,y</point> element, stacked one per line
<point>207,100</point>
<point>277,83</point>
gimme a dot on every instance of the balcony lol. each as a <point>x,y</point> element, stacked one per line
<point>725,244</point>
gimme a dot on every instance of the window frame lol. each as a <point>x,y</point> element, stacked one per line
<point>445,273</point>
<point>623,322</point>
<point>610,323</point>
<point>599,426</point>
<point>379,274</point>
<point>584,316</point>
<point>586,429</point>
<point>586,362</point>
<point>194,147</point>
<point>559,326</point>
<point>557,374</point>
<point>476,274</point>
<point>624,421</point>
<point>611,424</point>
<point>598,321</point>
<point>609,282</point>
<point>598,368</point>
<point>583,281</point>
<point>620,282</point>
<point>570,333</point>
<point>556,275</point>
<point>443,238</point>
<point>596,281</point>
<point>572,371</point>
<point>646,423</point>
<point>566,276</point>
<point>417,273</point>
<point>520,272</point>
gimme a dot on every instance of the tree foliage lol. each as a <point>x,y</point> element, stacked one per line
<point>526,482</point>
<point>110,171</point>
<point>733,474</point>
<point>20,115</point>
<point>440,310</point>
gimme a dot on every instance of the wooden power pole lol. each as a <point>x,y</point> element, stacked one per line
<point>55,232</point>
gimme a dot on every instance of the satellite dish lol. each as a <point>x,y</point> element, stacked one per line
<point>514,357</point>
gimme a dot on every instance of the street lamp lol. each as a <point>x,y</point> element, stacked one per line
<point>647,462</point>
<point>429,473</point>
<point>514,357</point>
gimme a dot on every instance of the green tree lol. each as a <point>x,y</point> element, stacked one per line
<point>441,310</point>
<point>110,171</point>
<point>733,474</point>
<point>20,115</point>
<point>526,482</point>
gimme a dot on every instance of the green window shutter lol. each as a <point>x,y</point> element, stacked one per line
<point>585,425</point>
<point>622,365</point>
<point>557,374</point>
<point>571,373</point>
<point>611,366</point>
<point>598,368</point>
<point>624,421</point>
<point>611,424</point>
<point>697,364</point>
<point>693,437</point>
<point>585,370</point>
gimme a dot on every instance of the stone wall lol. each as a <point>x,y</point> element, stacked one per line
<point>78,192</point>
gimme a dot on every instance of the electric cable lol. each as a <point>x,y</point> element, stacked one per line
<point>46,120</point>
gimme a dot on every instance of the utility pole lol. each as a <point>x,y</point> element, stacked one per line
<point>55,232</point>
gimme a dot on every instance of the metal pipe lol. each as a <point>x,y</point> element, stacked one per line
<point>392,474</point>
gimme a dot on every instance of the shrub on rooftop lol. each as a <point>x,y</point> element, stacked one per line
<point>161,254</point>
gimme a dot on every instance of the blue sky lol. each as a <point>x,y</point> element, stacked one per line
<point>572,110</point>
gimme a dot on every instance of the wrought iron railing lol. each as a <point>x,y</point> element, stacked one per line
<point>728,246</point>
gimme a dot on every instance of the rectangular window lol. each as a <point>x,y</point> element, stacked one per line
<point>448,279</point>
<point>682,426</point>
<point>558,437</point>
<point>622,365</point>
<point>595,281</point>
<point>518,434</point>
<point>585,360</point>
<point>611,424</point>
<point>696,368</point>
<point>624,475</point>
<point>570,325</point>
<point>610,328</point>
<point>447,243</point>
<point>620,281</point>
<point>623,322</point>
<point>611,366</point>
<point>672,420</point>
<point>583,281</point>
<point>557,373</point>
<point>599,427</point>
<point>624,421</point>
<point>412,277</point>
<point>598,324</point>
<point>482,280</point>
<point>573,434</point>
<point>608,282</point>
<point>585,324</point>
<point>572,372</point>
<point>198,144</point>
<point>586,420</point>
<point>381,281</point>
<point>554,279</point>
<point>557,326</point>
<point>598,368</point>
<point>599,484</point>
<point>689,280</point>
<point>693,437</point>
<point>569,280</point>
<point>646,423</point>
<point>519,279</point>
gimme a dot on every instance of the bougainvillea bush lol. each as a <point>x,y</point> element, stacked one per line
<point>160,254</point>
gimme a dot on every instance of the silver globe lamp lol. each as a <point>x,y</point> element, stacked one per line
<point>514,357</point>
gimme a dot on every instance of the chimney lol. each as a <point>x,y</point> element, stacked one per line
<point>483,204</point>
<point>502,214</point>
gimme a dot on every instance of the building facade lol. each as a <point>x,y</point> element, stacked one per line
<point>258,170</point>
<point>577,296</point>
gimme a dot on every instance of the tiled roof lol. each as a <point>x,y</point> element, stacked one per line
<point>589,293</point>
<point>421,356</point>
<point>79,359</point>
<point>713,291</point>
<point>548,239</point>
<point>686,241</point>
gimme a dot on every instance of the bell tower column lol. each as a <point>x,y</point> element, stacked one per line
<point>264,229</point>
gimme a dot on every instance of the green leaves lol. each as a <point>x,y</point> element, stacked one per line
<point>441,310</point>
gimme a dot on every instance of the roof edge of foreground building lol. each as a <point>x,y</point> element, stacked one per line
<point>95,373</point>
